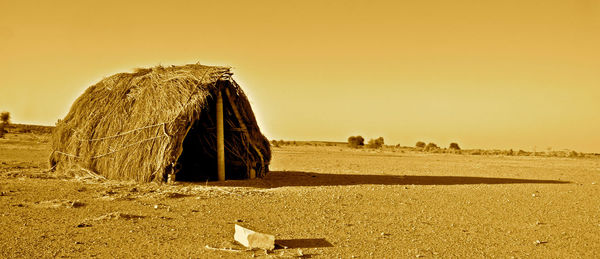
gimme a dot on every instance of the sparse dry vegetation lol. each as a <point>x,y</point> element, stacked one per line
<point>356,141</point>
<point>431,147</point>
<point>5,117</point>
<point>454,146</point>
<point>421,147</point>
<point>375,143</point>
<point>4,122</point>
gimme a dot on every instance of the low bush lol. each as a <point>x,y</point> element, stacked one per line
<point>431,147</point>
<point>375,143</point>
<point>4,121</point>
<point>454,146</point>
<point>356,141</point>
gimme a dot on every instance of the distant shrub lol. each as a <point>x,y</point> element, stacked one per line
<point>279,143</point>
<point>5,117</point>
<point>420,144</point>
<point>375,143</point>
<point>4,121</point>
<point>275,143</point>
<point>431,147</point>
<point>574,153</point>
<point>476,152</point>
<point>454,146</point>
<point>356,141</point>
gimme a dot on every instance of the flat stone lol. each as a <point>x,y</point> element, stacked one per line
<point>253,239</point>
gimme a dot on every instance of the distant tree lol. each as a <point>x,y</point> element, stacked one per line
<point>454,146</point>
<point>574,153</point>
<point>420,144</point>
<point>511,152</point>
<point>431,146</point>
<point>5,117</point>
<point>275,143</point>
<point>356,141</point>
<point>4,121</point>
<point>375,143</point>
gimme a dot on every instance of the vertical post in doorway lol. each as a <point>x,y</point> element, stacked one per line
<point>220,138</point>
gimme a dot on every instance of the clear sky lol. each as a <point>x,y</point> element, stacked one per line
<point>486,74</point>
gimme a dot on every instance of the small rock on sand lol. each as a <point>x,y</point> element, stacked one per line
<point>252,239</point>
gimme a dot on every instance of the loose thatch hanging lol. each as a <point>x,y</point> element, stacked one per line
<point>157,124</point>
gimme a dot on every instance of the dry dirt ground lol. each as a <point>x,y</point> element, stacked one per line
<point>325,202</point>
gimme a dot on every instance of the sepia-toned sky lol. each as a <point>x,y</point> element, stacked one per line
<point>486,74</point>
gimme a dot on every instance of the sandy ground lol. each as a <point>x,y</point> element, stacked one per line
<point>325,202</point>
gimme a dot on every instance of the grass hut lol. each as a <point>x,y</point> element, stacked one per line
<point>161,124</point>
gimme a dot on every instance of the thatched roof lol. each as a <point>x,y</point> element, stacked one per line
<point>134,126</point>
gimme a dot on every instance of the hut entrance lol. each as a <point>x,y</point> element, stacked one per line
<point>198,160</point>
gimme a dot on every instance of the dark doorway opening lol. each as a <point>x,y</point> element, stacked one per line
<point>198,160</point>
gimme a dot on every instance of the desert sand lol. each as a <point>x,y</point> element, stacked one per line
<point>318,201</point>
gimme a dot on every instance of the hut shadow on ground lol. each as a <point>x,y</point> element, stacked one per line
<point>303,243</point>
<point>295,178</point>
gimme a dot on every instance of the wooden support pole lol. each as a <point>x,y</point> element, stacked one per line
<point>220,138</point>
<point>245,130</point>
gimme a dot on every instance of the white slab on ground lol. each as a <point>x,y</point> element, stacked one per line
<point>253,239</point>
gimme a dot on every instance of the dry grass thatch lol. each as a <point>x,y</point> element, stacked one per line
<point>157,123</point>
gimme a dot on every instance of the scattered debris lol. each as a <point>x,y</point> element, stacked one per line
<point>118,215</point>
<point>173,195</point>
<point>538,242</point>
<point>252,239</point>
<point>75,204</point>
<point>108,192</point>
<point>224,249</point>
<point>59,203</point>
<point>83,225</point>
